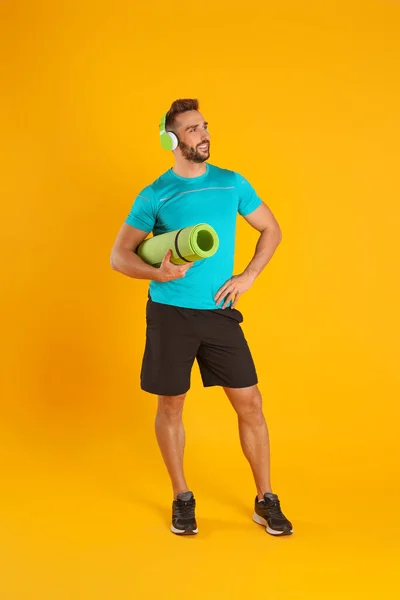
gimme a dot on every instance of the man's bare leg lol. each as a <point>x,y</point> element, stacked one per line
<point>170,435</point>
<point>253,433</point>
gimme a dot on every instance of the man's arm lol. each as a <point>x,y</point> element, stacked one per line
<point>124,260</point>
<point>264,221</point>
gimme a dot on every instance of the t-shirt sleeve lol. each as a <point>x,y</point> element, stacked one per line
<point>143,212</point>
<point>248,199</point>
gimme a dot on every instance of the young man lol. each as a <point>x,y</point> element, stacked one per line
<point>191,310</point>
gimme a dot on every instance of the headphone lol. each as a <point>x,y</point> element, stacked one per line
<point>168,139</point>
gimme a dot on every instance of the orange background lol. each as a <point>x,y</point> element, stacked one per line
<point>303,99</point>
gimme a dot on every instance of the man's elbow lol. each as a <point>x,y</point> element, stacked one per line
<point>274,232</point>
<point>114,261</point>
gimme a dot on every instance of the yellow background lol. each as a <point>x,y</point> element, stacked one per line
<point>303,99</point>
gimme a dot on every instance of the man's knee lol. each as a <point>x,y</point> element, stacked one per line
<point>171,407</point>
<point>247,402</point>
<point>251,407</point>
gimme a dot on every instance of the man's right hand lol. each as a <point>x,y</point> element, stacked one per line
<point>168,271</point>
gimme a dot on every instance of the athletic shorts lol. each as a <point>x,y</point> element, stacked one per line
<point>176,336</point>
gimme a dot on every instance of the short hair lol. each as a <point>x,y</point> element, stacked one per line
<point>178,107</point>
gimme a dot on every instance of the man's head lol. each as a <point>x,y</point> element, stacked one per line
<point>185,120</point>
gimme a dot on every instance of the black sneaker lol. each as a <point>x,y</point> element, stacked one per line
<point>268,512</point>
<point>183,517</point>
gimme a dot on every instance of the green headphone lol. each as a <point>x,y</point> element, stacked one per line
<point>168,139</point>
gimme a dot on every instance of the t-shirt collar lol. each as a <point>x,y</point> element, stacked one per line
<point>190,179</point>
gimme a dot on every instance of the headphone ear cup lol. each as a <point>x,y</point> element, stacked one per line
<point>174,140</point>
<point>168,139</point>
<point>165,140</point>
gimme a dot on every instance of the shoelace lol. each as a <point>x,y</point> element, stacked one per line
<point>185,509</point>
<point>274,509</point>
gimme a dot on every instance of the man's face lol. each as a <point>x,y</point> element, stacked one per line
<point>194,138</point>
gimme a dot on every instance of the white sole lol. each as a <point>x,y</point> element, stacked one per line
<point>183,531</point>
<point>262,521</point>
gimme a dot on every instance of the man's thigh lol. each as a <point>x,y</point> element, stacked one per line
<point>171,348</point>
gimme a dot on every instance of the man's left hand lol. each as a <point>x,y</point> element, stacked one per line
<point>234,288</point>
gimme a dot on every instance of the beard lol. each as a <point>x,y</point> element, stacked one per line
<point>194,154</point>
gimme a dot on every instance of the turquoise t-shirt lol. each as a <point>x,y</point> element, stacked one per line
<point>172,202</point>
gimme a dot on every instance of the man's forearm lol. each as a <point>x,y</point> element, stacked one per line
<point>130,264</point>
<point>265,248</point>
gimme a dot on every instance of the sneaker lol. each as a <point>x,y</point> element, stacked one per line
<point>183,517</point>
<point>268,512</point>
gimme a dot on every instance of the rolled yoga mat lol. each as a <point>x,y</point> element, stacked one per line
<point>187,245</point>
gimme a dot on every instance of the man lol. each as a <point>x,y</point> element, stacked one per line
<point>191,310</point>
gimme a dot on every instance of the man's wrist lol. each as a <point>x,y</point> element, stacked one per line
<point>156,274</point>
<point>251,273</point>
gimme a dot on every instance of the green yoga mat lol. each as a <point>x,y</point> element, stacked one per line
<point>187,245</point>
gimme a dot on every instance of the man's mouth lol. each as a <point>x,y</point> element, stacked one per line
<point>203,147</point>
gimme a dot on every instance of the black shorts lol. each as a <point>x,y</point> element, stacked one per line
<point>176,336</point>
